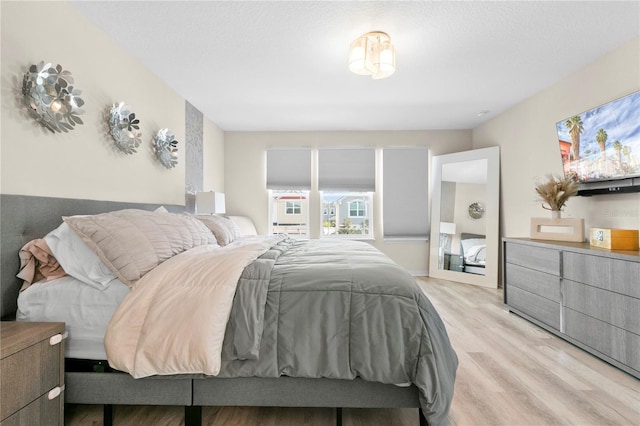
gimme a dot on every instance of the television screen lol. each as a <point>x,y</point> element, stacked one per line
<point>602,143</point>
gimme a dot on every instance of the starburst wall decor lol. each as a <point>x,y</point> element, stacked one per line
<point>50,97</point>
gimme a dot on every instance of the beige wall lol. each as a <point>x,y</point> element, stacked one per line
<point>466,194</point>
<point>84,162</point>
<point>245,176</point>
<point>529,149</point>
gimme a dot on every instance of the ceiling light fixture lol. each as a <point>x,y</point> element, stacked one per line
<point>373,54</point>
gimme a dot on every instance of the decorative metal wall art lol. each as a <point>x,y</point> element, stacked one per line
<point>165,146</point>
<point>50,97</point>
<point>124,128</point>
<point>476,210</point>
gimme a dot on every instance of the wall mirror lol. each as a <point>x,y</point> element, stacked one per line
<point>464,217</point>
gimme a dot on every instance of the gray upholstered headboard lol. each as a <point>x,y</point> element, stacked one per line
<point>23,218</point>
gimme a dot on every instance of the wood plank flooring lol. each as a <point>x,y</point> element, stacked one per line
<point>511,373</point>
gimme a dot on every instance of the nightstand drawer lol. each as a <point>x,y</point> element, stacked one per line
<point>27,375</point>
<point>31,373</point>
<point>32,414</point>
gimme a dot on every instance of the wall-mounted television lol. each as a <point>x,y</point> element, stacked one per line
<point>600,147</point>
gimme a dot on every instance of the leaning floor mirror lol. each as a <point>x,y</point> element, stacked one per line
<point>464,217</point>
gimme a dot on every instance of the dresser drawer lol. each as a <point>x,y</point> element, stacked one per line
<point>539,258</point>
<point>540,283</point>
<point>540,308</point>
<point>613,308</point>
<point>32,414</point>
<point>610,274</point>
<point>27,375</point>
<point>612,341</point>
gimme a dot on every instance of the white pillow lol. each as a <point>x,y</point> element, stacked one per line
<point>476,254</point>
<point>77,259</point>
<point>245,225</point>
<point>471,242</point>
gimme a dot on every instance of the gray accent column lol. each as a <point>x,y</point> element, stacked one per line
<point>193,154</point>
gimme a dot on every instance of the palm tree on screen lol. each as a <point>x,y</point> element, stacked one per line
<point>618,148</point>
<point>575,126</point>
<point>601,138</point>
<point>626,150</point>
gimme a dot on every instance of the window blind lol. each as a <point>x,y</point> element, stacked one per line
<point>405,192</point>
<point>289,169</point>
<point>351,170</point>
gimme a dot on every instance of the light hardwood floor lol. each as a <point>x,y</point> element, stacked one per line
<point>511,372</point>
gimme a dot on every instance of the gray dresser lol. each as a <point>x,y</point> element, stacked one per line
<point>588,296</point>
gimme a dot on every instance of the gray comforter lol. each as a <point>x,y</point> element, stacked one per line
<point>339,309</point>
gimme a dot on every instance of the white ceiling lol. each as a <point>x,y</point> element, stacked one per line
<point>282,65</point>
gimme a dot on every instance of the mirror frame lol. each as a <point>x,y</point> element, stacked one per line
<point>492,155</point>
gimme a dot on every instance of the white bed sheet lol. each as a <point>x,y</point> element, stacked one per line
<point>85,310</point>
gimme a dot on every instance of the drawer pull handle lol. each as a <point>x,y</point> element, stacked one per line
<point>54,393</point>
<point>57,338</point>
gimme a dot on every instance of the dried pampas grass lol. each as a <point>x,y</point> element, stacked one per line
<point>556,191</point>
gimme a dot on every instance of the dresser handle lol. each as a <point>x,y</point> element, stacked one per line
<point>55,392</point>
<point>57,338</point>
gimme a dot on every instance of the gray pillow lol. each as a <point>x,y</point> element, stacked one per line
<point>132,242</point>
<point>224,229</point>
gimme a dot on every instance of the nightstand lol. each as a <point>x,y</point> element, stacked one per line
<point>453,262</point>
<point>31,373</point>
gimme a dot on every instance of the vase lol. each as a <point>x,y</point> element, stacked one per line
<point>555,214</point>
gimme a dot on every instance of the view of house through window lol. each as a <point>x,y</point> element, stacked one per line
<point>289,212</point>
<point>346,214</point>
<point>294,207</point>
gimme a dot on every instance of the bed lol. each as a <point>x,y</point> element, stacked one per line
<point>473,248</point>
<point>294,377</point>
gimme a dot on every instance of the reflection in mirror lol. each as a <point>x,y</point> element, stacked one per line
<point>463,186</point>
<point>464,217</point>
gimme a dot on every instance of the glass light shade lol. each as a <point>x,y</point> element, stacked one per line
<point>386,58</point>
<point>372,54</point>
<point>357,56</point>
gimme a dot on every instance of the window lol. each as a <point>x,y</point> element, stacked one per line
<point>346,180</point>
<point>356,208</point>
<point>289,182</point>
<point>289,212</point>
<point>405,192</point>
<point>348,214</point>
<point>293,207</point>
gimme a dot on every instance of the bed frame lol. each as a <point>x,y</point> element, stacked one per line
<point>23,218</point>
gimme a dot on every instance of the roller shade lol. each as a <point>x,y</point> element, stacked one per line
<point>289,168</point>
<point>351,170</point>
<point>405,192</point>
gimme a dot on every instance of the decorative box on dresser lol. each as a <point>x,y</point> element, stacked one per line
<point>588,296</point>
<point>31,373</point>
